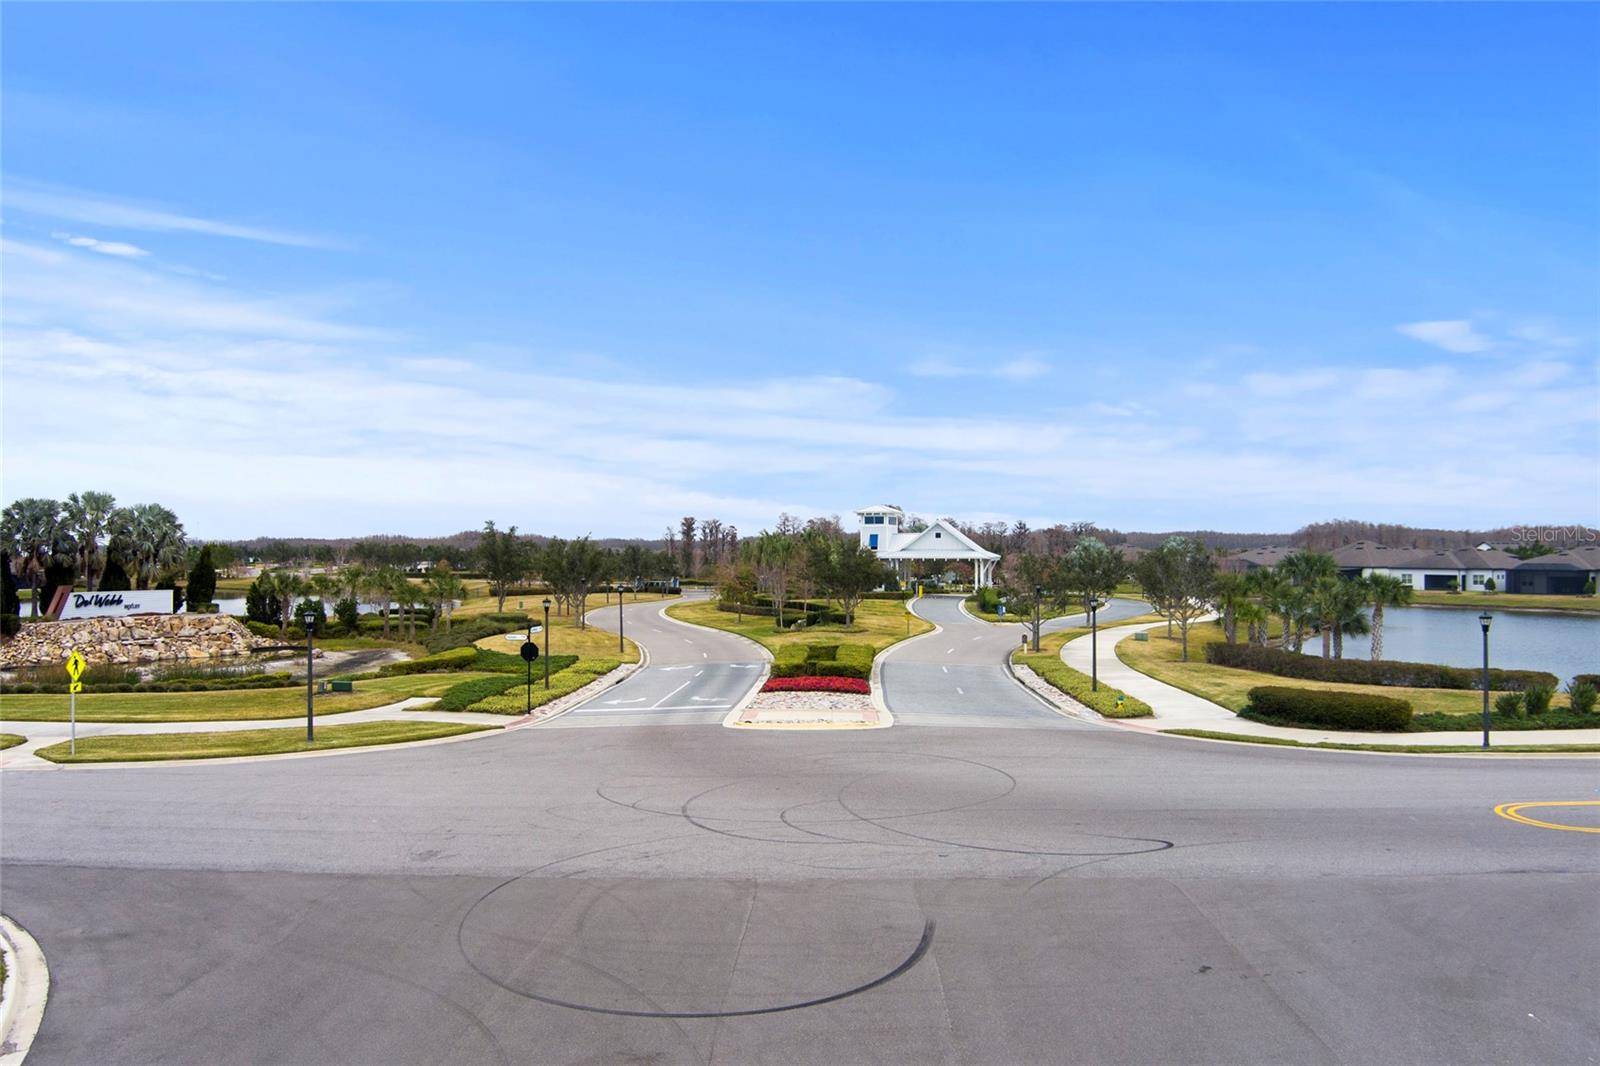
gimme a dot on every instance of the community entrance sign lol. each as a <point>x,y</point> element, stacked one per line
<point>104,604</point>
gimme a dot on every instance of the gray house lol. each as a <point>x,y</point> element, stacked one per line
<point>1566,573</point>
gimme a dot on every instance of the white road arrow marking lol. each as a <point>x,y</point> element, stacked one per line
<point>742,666</point>
<point>708,699</point>
<point>612,703</point>
<point>685,666</point>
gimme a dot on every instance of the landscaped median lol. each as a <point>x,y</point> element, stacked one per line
<point>878,624</point>
<point>494,682</point>
<point>816,686</point>
<point>146,747</point>
<point>1046,663</point>
<point>11,740</point>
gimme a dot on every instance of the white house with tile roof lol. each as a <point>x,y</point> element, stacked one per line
<point>882,531</point>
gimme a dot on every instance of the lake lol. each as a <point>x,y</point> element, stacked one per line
<point>1562,644</point>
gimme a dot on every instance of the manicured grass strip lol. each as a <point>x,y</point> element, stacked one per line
<point>516,700</point>
<point>155,746</point>
<point>1423,749</point>
<point>10,740</point>
<point>224,706</point>
<point>1111,702</point>
<point>1159,657</point>
<point>879,623</point>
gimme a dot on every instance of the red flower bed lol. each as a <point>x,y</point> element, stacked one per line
<point>817,684</point>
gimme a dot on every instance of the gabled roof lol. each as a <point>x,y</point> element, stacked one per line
<point>941,540</point>
<point>1584,558</point>
<point>878,508</point>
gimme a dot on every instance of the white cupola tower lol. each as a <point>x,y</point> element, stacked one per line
<point>880,526</point>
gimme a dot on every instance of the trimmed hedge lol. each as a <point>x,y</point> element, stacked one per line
<point>823,660</point>
<point>1109,702</point>
<point>462,696</point>
<point>1366,672</point>
<point>1329,709</point>
<point>568,681</point>
<point>1593,679</point>
<point>454,659</point>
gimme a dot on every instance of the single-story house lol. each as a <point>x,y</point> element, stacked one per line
<point>882,533</point>
<point>1467,569</point>
<point>1565,573</point>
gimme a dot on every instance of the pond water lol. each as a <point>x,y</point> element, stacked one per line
<point>1563,644</point>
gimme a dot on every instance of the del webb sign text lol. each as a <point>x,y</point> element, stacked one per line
<point>101,604</point>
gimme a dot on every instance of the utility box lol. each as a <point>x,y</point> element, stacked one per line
<point>1141,635</point>
<point>342,686</point>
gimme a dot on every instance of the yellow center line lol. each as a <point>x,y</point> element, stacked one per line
<point>1513,812</point>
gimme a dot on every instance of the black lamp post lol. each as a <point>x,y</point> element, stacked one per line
<point>619,618</point>
<point>1038,594</point>
<point>1095,603</point>
<point>547,642</point>
<point>310,620</point>
<point>1483,620</point>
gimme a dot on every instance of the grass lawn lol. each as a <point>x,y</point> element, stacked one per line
<point>879,623</point>
<point>1160,658</point>
<point>479,600</point>
<point>567,639</point>
<point>415,651</point>
<point>151,746</point>
<point>223,706</point>
<point>10,740</point>
<point>1421,749</point>
<point>1506,601</point>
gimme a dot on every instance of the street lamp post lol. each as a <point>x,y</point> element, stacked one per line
<point>547,642</point>
<point>1483,620</point>
<point>530,671</point>
<point>310,620</point>
<point>619,618</point>
<point>1038,594</point>
<point>1094,648</point>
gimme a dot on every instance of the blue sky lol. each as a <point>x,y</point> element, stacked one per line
<point>300,269</point>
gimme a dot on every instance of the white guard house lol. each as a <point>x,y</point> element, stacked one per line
<point>942,541</point>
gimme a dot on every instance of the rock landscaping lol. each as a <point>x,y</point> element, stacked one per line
<point>131,640</point>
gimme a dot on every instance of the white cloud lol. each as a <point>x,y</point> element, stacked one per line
<point>97,210</point>
<point>285,415</point>
<point>1024,369</point>
<point>117,248</point>
<point>1452,335</point>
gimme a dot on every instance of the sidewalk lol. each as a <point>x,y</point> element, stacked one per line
<point>1176,709</point>
<point>43,734</point>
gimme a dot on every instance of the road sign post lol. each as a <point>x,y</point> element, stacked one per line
<point>529,652</point>
<point>75,666</point>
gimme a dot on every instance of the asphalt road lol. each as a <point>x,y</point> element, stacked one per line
<point>957,676</point>
<point>672,893</point>
<point>695,676</point>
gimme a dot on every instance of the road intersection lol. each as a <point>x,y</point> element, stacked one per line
<point>662,890</point>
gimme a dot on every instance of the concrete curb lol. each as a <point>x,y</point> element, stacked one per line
<point>1054,698</point>
<point>27,988</point>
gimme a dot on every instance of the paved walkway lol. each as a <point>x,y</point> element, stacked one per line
<point>1176,709</point>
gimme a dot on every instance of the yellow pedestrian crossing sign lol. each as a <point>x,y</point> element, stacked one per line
<point>75,667</point>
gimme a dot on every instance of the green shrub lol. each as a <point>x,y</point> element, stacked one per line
<point>1366,672</point>
<point>348,612</point>
<point>1489,585</point>
<point>821,653</point>
<point>823,660</point>
<point>1329,709</point>
<point>570,680</point>
<point>312,607</point>
<point>508,619</point>
<point>462,696</point>
<point>261,629</point>
<point>1592,679</point>
<point>1107,701</point>
<point>202,586</point>
<point>1537,699</point>
<point>454,659</point>
<point>468,632</point>
<point>1509,704</point>
<point>1582,695</point>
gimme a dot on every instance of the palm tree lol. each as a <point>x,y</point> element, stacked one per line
<point>30,528</point>
<point>283,586</point>
<point>87,517</point>
<point>443,590</point>
<point>1384,591</point>
<point>1254,615</point>
<point>146,537</point>
<point>1232,593</point>
<point>1349,614</point>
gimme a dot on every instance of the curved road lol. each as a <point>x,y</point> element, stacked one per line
<point>694,675</point>
<point>669,893</point>
<point>958,676</point>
